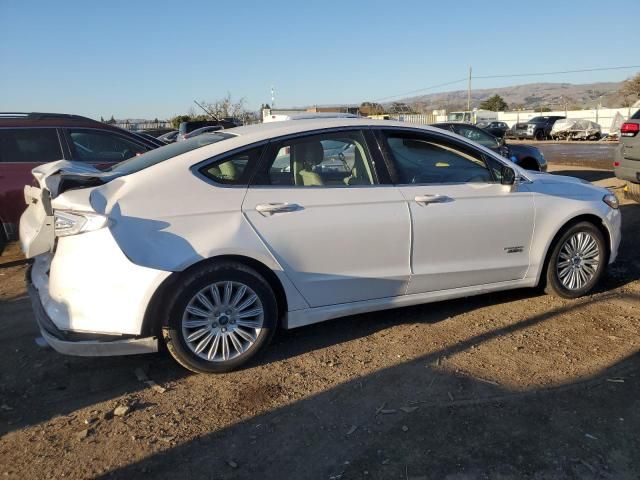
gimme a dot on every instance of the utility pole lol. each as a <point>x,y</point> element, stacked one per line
<point>469,92</point>
<point>273,97</point>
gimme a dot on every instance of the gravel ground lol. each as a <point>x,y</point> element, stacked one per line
<point>509,386</point>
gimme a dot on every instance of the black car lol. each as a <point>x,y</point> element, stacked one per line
<point>497,129</point>
<point>538,127</point>
<point>525,156</point>
<point>188,127</point>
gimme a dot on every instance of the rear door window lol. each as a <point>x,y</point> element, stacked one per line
<point>101,146</point>
<point>29,145</point>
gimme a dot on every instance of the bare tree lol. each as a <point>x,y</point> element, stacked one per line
<point>226,107</point>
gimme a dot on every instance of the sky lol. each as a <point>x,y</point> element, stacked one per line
<point>151,59</point>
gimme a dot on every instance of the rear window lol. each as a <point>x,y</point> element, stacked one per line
<point>29,145</point>
<point>636,116</point>
<point>161,154</point>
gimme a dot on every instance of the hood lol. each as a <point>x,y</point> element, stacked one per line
<point>565,185</point>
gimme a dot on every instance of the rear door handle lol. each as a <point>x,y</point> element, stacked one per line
<point>269,208</point>
<point>432,199</point>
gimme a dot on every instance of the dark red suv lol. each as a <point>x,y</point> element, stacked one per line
<point>29,139</point>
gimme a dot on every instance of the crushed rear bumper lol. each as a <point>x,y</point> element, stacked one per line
<point>80,343</point>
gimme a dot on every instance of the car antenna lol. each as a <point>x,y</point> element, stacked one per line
<point>207,111</point>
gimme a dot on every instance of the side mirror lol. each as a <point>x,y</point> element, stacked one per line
<point>508,175</point>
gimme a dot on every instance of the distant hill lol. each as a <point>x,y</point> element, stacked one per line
<point>529,96</point>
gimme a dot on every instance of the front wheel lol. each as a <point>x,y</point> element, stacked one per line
<point>577,261</point>
<point>220,316</point>
<point>632,191</point>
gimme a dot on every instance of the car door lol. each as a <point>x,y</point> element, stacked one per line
<point>468,228</point>
<point>21,150</point>
<point>101,147</point>
<point>338,233</point>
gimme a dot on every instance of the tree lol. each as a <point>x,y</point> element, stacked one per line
<point>226,108</point>
<point>371,108</point>
<point>495,104</point>
<point>111,121</point>
<point>631,87</point>
<point>101,119</point>
<point>178,119</point>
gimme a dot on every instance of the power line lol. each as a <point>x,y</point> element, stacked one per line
<point>421,89</point>
<point>510,75</point>
<point>556,73</point>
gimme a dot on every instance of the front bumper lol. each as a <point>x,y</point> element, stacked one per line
<point>84,345</point>
<point>523,134</point>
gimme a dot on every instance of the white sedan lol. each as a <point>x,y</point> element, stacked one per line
<point>211,244</point>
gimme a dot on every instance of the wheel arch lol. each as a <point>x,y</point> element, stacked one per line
<point>585,217</point>
<point>152,321</point>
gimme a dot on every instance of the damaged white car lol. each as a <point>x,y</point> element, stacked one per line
<point>211,244</point>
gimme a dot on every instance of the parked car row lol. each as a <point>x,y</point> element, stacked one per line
<point>538,128</point>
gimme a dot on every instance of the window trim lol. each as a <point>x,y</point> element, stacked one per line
<point>275,144</point>
<point>196,169</point>
<point>381,137</point>
<point>63,151</point>
<point>72,147</point>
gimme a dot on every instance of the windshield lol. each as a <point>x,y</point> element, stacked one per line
<point>539,119</point>
<point>135,164</point>
<point>478,136</point>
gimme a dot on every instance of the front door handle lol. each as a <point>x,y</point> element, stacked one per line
<point>270,208</point>
<point>432,199</point>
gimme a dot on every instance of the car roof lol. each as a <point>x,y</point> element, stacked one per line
<point>32,119</point>
<point>264,131</point>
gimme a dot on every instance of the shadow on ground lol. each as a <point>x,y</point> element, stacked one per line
<point>588,175</point>
<point>414,420</point>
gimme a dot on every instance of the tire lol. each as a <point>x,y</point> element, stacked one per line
<point>231,338</point>
<point>560,281</point>
<point>529,163</point>
<point>540,135</point>
<point>632,191</point>
<point>3,239</point>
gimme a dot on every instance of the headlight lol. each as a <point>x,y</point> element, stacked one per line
<point>611,200</point>
<point>72,223</point>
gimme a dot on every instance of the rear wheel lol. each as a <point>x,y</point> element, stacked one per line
<point>539,135</point>
<point>577,261</point>
<point>633,191</point>
<point>220,316</point>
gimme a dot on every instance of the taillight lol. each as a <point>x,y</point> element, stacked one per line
<point>72,223</point>
<point>629,129</point>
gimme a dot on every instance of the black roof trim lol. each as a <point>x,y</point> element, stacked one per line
<point>41,115</point>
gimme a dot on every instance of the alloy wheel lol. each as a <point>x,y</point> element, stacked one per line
<point>578,260</point>
<point>222,321</point>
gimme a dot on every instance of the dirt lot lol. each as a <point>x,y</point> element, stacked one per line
<point>507,386</point>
